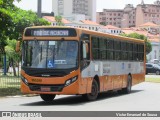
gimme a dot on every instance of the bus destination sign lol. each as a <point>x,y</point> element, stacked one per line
<point>50,33</point>
<point>53,32</point>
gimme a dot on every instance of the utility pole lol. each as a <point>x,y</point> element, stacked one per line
<point>39,8</point>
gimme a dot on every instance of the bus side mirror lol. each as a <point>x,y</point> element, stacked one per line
<point>17,46</point>
<point>85,50</point>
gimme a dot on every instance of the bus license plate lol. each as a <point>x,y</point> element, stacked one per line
<point>45,89</point>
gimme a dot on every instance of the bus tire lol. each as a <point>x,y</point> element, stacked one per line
<point>94,92</point>
<point>127,90</point>
<point>47,97</point>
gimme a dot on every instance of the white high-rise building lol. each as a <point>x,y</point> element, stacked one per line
<point>74,8</point>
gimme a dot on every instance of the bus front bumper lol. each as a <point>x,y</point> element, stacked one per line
<point>50,89</point>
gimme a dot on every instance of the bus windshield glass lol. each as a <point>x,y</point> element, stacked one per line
<point>50,54</point>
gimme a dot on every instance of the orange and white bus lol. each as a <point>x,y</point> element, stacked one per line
<point>68,61</point>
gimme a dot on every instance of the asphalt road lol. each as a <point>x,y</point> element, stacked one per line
<point>153,76</point>
<point>144,97</point>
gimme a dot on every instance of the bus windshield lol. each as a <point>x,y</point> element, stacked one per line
<point>50,54</point>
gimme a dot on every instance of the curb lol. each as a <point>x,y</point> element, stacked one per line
<point>16,96</point>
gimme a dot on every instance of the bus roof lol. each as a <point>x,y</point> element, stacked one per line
<point>98,33</point>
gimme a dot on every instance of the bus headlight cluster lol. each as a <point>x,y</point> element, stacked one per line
<point>24,80</point>
<point>70,81</point>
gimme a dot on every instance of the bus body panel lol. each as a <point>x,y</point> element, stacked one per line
<point>113,75</point>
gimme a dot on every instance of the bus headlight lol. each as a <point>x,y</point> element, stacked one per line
<point>70,81</point>
<point>24,80</point>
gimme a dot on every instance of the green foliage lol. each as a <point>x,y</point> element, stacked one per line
<point>10,50</point>
<point>5,20</point>
<point>59,20</point>
<point>13,21</point>
<point>13,57</point>
<point>23,19</point>
<point>142,37</point>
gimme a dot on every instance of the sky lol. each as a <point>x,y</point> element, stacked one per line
<point>101,4</point>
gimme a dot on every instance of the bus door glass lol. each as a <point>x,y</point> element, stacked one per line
<point>85,50</point>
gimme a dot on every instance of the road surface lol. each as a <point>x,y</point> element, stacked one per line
<point>144,97</point>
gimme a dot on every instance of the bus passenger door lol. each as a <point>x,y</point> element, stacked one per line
<point>84,51</point>
<point>85,62</point>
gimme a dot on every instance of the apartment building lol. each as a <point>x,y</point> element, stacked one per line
<point>86,24</point>
<point>70,9</point>
<point>130,16</point>
<point>110,17</point>
<point>117,17</point>
<point>148,13</point>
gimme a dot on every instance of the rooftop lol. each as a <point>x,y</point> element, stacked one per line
<point>89,22</point>
<point>149,24</point>
<point>111,27</point>
<point>52,19</point>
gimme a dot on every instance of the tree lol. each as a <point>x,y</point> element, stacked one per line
<point>59,20</point>
<point>14,57</point>
<point>5,20</point>
<point>12,23</point>
<point>142,37</point>
<point>23,19</point>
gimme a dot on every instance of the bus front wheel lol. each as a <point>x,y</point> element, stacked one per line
<point>47,97</point>
<point>94,92</point>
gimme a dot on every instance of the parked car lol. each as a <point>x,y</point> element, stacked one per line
<point>152,68</point>
<point>155,61</point>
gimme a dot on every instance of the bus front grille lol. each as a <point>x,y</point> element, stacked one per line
<point>46,88</point>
